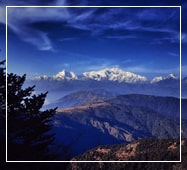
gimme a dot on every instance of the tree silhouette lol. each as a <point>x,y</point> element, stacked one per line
<point>2,112</point>
<point>28,127</point>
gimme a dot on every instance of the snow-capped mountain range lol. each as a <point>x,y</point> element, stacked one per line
<point>161,78</point>
<point>114,74</point>
<point>65,75</point>
<point>108,74</point>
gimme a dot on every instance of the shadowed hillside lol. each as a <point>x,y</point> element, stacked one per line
<point>144,150</point>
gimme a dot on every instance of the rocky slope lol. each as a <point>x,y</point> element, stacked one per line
<point>88,126</point>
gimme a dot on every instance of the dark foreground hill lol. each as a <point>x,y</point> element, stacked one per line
<point>144,149</point>
<point>140,150</point>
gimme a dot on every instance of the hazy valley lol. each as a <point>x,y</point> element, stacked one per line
<point>112,106</point>
<point>114,80</point>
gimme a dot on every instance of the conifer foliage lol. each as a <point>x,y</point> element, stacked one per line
<point>28,127</point>
<point>2,111</point>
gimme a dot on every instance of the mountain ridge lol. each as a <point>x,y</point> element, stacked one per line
<point>161,78</point>
<point>112,123</point>
<point>115,74</point>
<point>107,74</point>
<point>168,105</point>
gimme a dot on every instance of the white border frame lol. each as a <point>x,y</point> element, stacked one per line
<point>90,7</point>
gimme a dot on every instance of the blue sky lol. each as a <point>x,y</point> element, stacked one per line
<point>46,40</point>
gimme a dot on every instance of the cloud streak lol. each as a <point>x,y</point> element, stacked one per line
<point>173,54</point>
<point>19,20</point>
<point>121,23</point>
<point>145,70</point>
<point>130,23</point>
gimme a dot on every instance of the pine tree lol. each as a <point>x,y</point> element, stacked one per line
<point>2,112</point>
<point>2,88</point>
<point>29,137</point>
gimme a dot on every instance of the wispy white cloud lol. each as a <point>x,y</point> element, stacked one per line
<point>143,69</point>
<point>173,54</point>
<point>3,14</point>
<point>42,42</point>
<point>68,39</point>
<point>173,38</point>
<point>60,2</point>
<point>184,70</point>
<point>94,21</point>
<point>35,37</point>
<point>20,18</point>
<point>64,66</point>
<point>122,37</point>
<point>83,16</point>
<point>184,37</point>
<point>127,61</point>
<point>101,66</point>
<point>87,63</point>
<point>149,21</point>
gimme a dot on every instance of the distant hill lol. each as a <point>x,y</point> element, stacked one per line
<point>169,106</point>
<point>83,97</point>
<point>115,121</point>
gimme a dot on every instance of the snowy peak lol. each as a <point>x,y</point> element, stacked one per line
<point>114,74</point>
<point>171,76</point>
<point>65,75</point>
<point>161,78</point>
<point>109,74</point>
<point>157,79</point>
